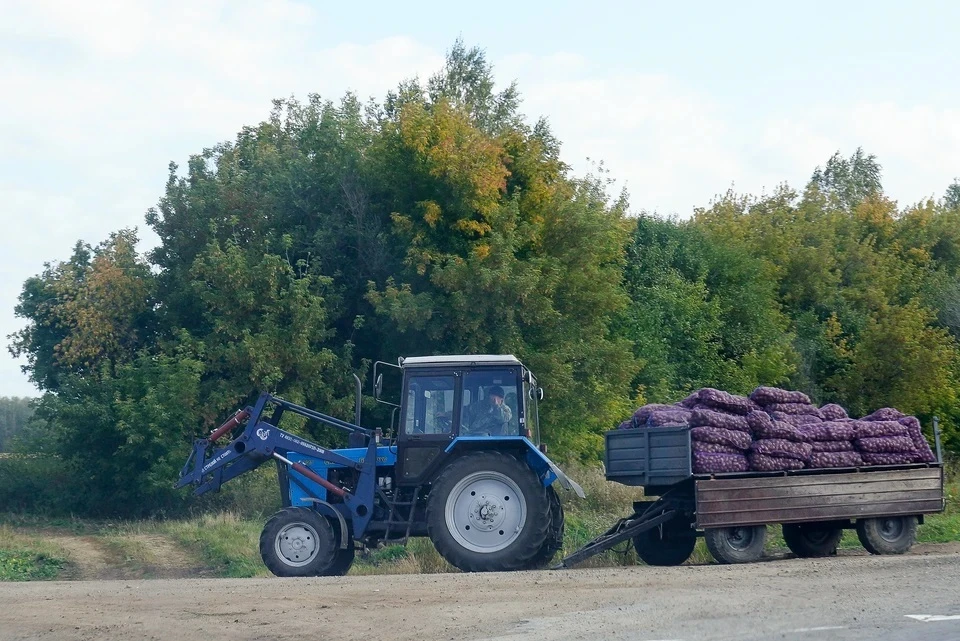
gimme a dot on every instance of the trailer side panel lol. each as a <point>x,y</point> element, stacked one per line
<point>725,502</point>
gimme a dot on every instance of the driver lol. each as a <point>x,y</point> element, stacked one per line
<point>489,416</point>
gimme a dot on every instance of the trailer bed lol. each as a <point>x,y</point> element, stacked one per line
<point>658,459</point>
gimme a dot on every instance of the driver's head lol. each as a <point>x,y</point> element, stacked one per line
<point>497,391</point>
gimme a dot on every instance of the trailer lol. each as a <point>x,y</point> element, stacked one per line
<point>731,511</point>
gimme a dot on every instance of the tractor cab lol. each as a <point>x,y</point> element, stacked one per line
<point>445,398</point>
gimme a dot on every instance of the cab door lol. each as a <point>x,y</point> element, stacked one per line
<point>429,410</point>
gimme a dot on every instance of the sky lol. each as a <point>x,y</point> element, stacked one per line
<point>679,101</point>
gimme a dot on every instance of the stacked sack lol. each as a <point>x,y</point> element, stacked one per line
<point>887,437</point>
<point>720,435</point>
<point>777,430</point>
<point>833,439</point>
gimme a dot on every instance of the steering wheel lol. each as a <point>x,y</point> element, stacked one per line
<point>443,423</point>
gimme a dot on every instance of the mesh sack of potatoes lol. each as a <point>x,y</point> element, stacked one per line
<point>772,395</point>
<point>710,463</point>
<point>713,418</point>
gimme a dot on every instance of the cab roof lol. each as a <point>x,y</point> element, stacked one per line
<point>460,359</point>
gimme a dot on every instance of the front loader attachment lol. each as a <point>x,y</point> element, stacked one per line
<point>208,467</point>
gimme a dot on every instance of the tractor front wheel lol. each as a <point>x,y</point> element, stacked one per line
<point>298,541</point>
<point>343,557</point>
<point>488,512</point>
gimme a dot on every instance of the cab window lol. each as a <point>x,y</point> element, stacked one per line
<point>429,407</point>
<point>491,406</point>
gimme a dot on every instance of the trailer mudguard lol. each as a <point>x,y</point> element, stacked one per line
<point>546,469</point>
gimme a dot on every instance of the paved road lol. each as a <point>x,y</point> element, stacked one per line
<point>846,598</point>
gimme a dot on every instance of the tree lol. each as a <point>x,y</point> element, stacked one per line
<point>15,414</point>
<point>848,181</point>
<point>951,199</point>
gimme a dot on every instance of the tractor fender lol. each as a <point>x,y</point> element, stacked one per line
<point>326,509</point>
<point>546,469</point>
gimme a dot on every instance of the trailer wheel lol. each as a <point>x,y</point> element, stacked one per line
<point>488,512</point>
<point>669,544</point>
<point>554,541</point>
<point>811,540</point>
<point>887,534</point>
<point>342,558</point>
<point>742,544</point>
<point>297,541</point>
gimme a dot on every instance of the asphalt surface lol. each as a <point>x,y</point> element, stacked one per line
<point>844,598</point>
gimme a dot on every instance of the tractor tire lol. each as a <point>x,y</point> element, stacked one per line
<point>742,544</point>
<point>812,540</point>
<point>554,542</point>
<point>297,541</point>
<point>488,512</point>
<point>342,558</point>
<point>887,534</point>
<point>671,544</point>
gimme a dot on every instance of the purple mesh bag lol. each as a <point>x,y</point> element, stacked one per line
<point>703,447</point>
<point>770,395</point>
<point>672,416</point>
<point>794,409</point>
<point>763,463</point>
<point>690,401</point>
<point>626,425</point>
<point>711,418</point>
<point>720,436</point>
<point>795,419</point>
<point>832,446</point>
<point>782,448</point>
<point>887,458</point>
<point>835,459</point>
<point>833,412</point>
<point>763,429</point>
<point>831,431</point>
<point>873,429</point>
<point>707,463</point>
<point>886,445</point>
<point>924,452</point>
<point>884,414</point>
<point>717,399</point>
<point>642,414</point>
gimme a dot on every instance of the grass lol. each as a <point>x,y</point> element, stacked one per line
<point>28,559</point>
<point>225,543</point>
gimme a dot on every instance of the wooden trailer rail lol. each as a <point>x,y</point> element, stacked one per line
<point>729,502</point>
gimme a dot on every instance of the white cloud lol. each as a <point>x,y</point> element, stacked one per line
<point>101,96</point>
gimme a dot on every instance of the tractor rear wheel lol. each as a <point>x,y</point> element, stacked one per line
<point>488,512</point>
<point>297,541</point>
<point>554,541</point>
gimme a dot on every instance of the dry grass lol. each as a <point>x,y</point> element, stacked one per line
<point>225,543</point>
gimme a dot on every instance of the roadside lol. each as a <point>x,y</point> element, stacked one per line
<point>849,598</point>
<point>226,543</point>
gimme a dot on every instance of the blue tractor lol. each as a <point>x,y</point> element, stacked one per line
<point>463,466</point>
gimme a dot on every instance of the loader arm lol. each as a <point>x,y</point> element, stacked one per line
<point>209,467</point>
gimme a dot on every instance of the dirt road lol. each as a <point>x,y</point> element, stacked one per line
<point>848,597</point>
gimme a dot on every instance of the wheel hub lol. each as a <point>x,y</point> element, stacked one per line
<point>297,544</point>
<point>740,538</point>
<point>485,512</point>
<point>891,529</point>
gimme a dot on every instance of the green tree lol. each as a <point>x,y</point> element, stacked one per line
<point>15,414</point>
